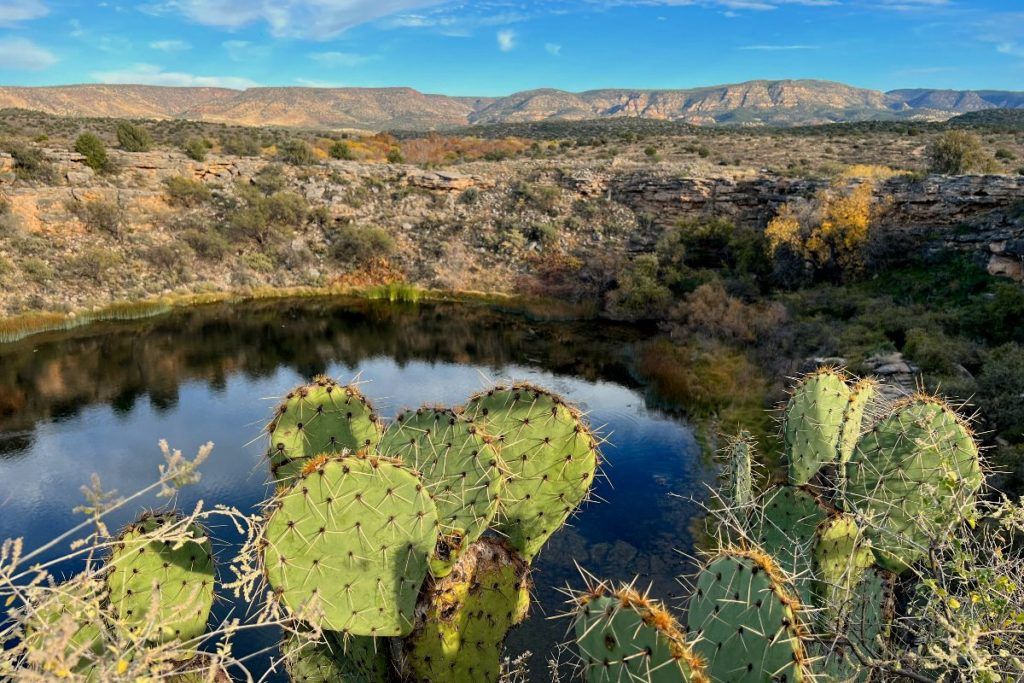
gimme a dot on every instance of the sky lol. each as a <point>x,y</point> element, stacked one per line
<point>497,47</point>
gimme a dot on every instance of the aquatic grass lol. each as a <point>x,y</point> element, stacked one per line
<point>396,292</point>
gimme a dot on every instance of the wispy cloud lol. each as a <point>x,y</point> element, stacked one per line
<point>506,40</point>
<point>348,59</point>
<point>170,45</point>
<point>778,48</point>
<point>19,53</point>
<point>316,19</point>
<point>553,49</point>
<point>1012,49</point>
<point>244,51</point>
<point>151,74</point>
<point>14,11</point>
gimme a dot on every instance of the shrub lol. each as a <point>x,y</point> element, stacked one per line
<point>30,163</point>
<point>100,214</point>
<point>172,259</point>
<point>395,156</point>
<point>241,145</point>
<point>37,269</point>
<point>286,208</point>
<point>132,138</point>
<point>341,150</point>
<point>270,179</point>
<point>295,152</point>
<point>359,245</point>
<point>186,192</point>
<point>208,244</point>
<point>957,152</point>
<point>1001,389</point>
<point>710,312</point>
<point>196,149</point>
<point>540,197</point>
<point>94,263</point>
<point>639,295</point>
<point>94,151</point>
<point>1003,154</point>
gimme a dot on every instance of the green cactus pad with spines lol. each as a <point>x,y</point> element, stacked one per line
<point>467,614</point>
<point>870,618</point>
<point>745,622</point>
<point>813,423</point>
<point>913,477</point>
<point>460,468</point>
<point>74,608</point>
<point>863,394</point>
<point>550,455</point>
<point>346,547</point>
<point>784,525</point>
<point>623,636</point>
<point>321,417</point>
<point>841,556</point>
<point>162,589</point>
<point>357,659</point>
<point>739,456</point>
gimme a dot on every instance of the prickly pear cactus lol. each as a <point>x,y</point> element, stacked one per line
<point>869,620</point>
<point>784,525</point>
<point>347,546</point>
<point>862,396</point>
<point>841,556</point>
<point>65,627</point>
<point>551,458</point>
<point>739,456</point>
<point>913,478</point>
<point>745,621</point>
<point>623,636</point>
<point>160,578</point>
<point>460,468</point>
<point>467,614</point>
<point>359,659</point>
<point>813,423</point>
<point>321,417</point>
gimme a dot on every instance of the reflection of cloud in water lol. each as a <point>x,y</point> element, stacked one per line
<point>634,532</point>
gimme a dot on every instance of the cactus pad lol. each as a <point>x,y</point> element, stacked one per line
<point>358,660</point>
<point>913,477</point>
<point>745,622</point>
<point>813,423</point>
<point>347,546</point>
<point>873,608</point>
<point>840,558</point>
<point>459,636</point>
<point>784,526</point>
<point>321,417</point>
<point>70,616</point>
<point>161,589</point>
<point>623,636</point>
<point>739,456</point>
<point>459,467</point>
<point>551,458</point>
<point>862,396</point>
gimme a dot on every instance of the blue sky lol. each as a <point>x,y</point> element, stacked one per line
<point>497,47</point>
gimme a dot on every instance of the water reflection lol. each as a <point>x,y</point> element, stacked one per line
<point>98,400</point>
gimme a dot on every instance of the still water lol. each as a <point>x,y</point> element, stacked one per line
<point>99,399</point>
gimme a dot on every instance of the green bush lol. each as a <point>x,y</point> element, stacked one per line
<point>171,259</point>
<point>196,149</point>
<point>957,152</point>
<point>95,264</point>
<point>37,269</point>
<point>536,196</point>
<point>94,151</point>
<point>341,150</point>
<point>286,208</point>
<point>132,138</point>
<point>270,179</point>
<point>186,192</point>
<point>359,245</point>
<point>29,162</point>
<point>208,244</point>
<point>295,152</point>
<point>395,156</point>
<point>1003,154</point>
<point>935,352</point>
<point>639,295</point>
<point>241,145</point>
<point>1001,389</point>
<point>100,214</point>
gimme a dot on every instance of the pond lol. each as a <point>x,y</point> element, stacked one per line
<point>98,400</point>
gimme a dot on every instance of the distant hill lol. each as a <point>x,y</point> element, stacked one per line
<point>779,103</point>
<point>1010,119</point>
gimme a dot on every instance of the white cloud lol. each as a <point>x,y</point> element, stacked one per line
<point>553,48</point>
<point>317,19</point>
<point>340,58</point>
<point>170,45</point>
<point>150,74</point>
<point>13,11</point>
<point>1012,49</point>
<point>506,39</point>
<point>19,53</point>
<point>244,51</point>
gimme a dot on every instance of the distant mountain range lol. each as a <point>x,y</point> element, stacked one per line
<point>787,102</point>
